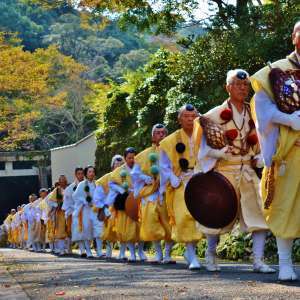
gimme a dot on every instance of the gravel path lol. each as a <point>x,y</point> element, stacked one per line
<point>44,276</point>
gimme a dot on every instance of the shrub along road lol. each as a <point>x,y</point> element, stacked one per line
<point>44,276</point>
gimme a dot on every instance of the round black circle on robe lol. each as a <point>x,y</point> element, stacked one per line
<point>184,164</point>
<point>180,147</point>
<point>211,200</point>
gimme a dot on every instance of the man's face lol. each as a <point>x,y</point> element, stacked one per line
<point>62,181</point>
<point>130,159</point>
<point>90,175</point>
<point>158,135</point>
<point>79,175</point>
<point>13,211</point>
<point>296,38</point>
<point>31,199</point>
<point>238,89</point>
<point>43,194</point>
<point>186,119</point>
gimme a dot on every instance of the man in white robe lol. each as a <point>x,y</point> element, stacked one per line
<point>68,208</point>
<point>83,212</point>
<point>235,161</point>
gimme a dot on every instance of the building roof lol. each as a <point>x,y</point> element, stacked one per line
<point>75,144</point>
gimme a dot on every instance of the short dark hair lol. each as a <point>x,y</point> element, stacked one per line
<point>129,150</point>
<point>78,169</point>
<point>87,168</point>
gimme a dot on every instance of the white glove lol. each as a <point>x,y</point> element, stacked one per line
<point>218,153</point>
<point>174,180</point>
<point>291,120</point>
<point>147,179</point>
<point>117,188</point>
<point>295,120</point>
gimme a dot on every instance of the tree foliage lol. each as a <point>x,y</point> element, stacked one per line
<point>53,77</point>
<point>41,93</point>
<point>197,75</point>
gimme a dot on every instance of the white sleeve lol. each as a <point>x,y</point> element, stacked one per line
<point>68,203</point>
<point>139,179</point>
<point>38,213</point>
<point>99,197</point>
<point>267,130</point>
<point>115,187</point>
<point>208,156</point>
<point>166,173</point>
<point>79,196</point>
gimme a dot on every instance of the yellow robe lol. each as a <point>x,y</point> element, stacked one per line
<point>109,230</point>
<point>59,220</point>
<point>153,214</point>
<point>283,215</point>
<point>7,222</point>
<point>43,207</point>
<point>184,227</point>
<point>126,229</point>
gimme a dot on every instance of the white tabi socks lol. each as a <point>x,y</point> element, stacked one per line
<point>108,253</point>
<point>131,248</point>
<point>38,247</point>
<point>122,254</point>
<point>286,270</point>
<point>88,249</point>
<point>210,253</point>
<point>192,257</point>
<point>141,253</point>
<point>61,247</point>
<point>81,248</point>
<point>51,246</point>
<point>259,238</point>
<point>68,246</point>
<point>99,245</point>
<point>168,249</point>
<point>158,252</point>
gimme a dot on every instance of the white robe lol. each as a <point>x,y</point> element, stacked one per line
<point>79,197</point>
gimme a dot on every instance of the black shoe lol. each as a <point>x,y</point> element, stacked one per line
<point>83,255</point>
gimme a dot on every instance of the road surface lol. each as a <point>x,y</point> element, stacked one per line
<point>28,275</point>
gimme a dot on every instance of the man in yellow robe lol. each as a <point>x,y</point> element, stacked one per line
<point>57,216</point>
<point>154,218</point>
<point>236,161</point>
<point>18,227</point>
<point>177,162</point>
<point>100,201</point>
<point>8,228</point>
<point>279,135</point>
<point>120,186</point>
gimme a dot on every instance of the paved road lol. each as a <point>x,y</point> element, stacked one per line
<point>44,276</point>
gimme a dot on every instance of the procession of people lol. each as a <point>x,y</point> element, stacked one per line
<point>146,196</point>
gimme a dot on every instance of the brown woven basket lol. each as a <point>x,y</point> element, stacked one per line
<point>286,89</point>
<point>214,133</point>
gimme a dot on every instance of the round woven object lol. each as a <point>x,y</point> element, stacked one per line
<point>214,133</point>
<point>132,207</point>
<point>211,200</point>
